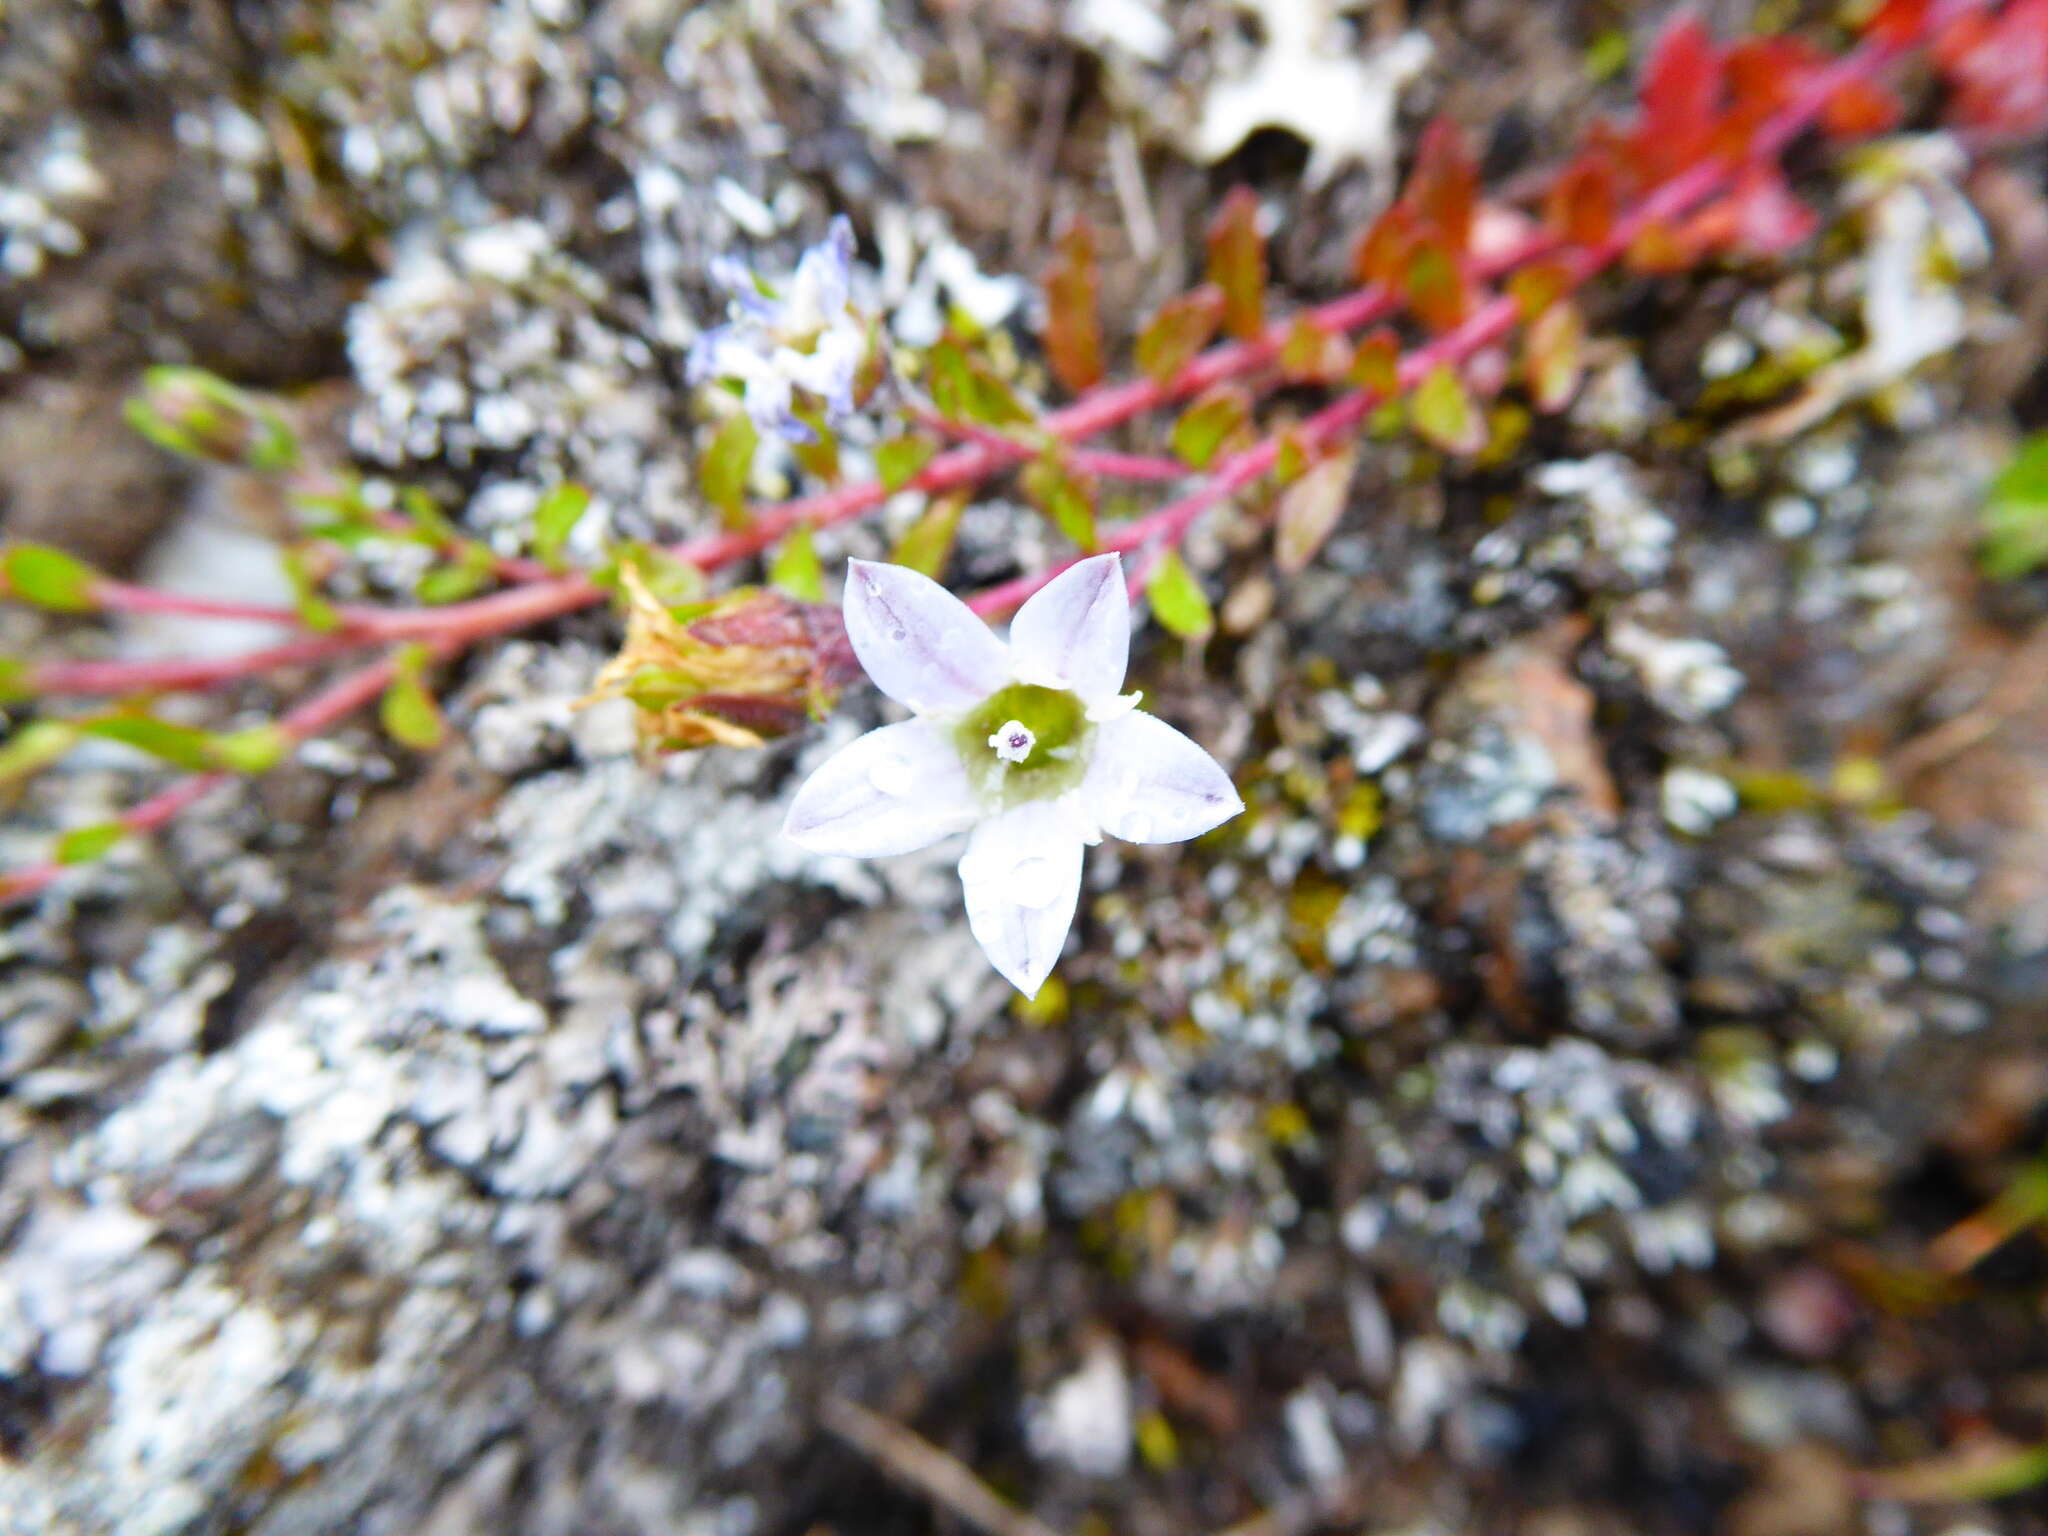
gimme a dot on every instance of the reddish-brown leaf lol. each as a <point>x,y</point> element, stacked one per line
<point>1237,263</point>
<point>1309,508</point>
<point>1181,329</point>
<point>1312,355</point>
<point>1383,248</point>
<point>1376,365</point>
<point>1897,22</point>
<point>1435,286</point>
<point>1539,285</point>
<point>1073,319</point>
<point>1443,189</point>
<point>1582,199</point>
<point>1861,109</point>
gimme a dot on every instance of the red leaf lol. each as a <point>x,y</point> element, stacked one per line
<point>1237,264</point>
<point>1582,199</point>
<point>1383,249</point>
<point>1443,189</point>
<point>1681,90</point>
<point>1898,22</point>
<point>1073,320</point>
<point>1861,109</point>
<point>1764,73</point>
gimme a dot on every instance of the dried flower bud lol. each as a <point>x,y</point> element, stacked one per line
<point>733,671</point>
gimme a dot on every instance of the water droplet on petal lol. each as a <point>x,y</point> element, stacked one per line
<point>898,633</point>
<point>891,775</point>
<point>1034,883</point>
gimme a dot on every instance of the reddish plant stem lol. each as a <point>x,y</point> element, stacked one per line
<point>550,595</point>
<point>1107,463</point>
<point>330,705</point>
<point>1163,529</point>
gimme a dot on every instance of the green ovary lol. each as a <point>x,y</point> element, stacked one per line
<point>1058,757</point>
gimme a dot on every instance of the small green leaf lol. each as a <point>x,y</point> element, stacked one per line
<point>1073,320</point>
<point>1177,599</point>
<point>927,544</point>
<point>426,518</point>
<point>453,582</point>
<point>1309,509</point>
<point>1207,425</point>
<point>81,845</point>
<point>1183,326</point>
<point>964,389</point>
<point>1443,412</point>
<point>2015,518</point>
<point>16,680</point>
<point>1066,499</point>
<point>819,456</point>
<point>408,712</point>
<point>727,465</point>
<point>34,747</point>
<point>179,745</point>
<point>560,510</point>
<point>898,461</point>
<point>1237,264</point>
<point>1607,55</point>
<point>49,578</point>
<point>315,612</point>
<point>258,749</point>
<point>795,569</point>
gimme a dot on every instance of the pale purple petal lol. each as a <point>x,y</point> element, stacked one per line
<point>920,644</point>
<point>892,791</point>
<point>1022,876</point>
<point>1075,632</point>
<point>823,280</point>
<point>1147,783</point>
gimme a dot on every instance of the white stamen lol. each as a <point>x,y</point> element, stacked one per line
<point>1013,741</point>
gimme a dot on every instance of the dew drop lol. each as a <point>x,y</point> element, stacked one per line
<point>890,775</point>
<point>898,633</point>
<point>1034,883</point>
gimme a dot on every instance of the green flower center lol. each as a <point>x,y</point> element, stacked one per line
<point>1025,743</point>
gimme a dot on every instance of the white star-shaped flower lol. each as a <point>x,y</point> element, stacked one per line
<point>1028,747</point>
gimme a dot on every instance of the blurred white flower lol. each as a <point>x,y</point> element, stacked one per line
<point>1027,746</point>
<point>805,336</point>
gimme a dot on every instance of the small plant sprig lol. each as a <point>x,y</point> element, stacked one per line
<point>1445,279</point>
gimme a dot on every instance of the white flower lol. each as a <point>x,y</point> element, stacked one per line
<point>1028,747</point>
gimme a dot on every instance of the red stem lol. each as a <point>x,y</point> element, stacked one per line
<point>330,705</point>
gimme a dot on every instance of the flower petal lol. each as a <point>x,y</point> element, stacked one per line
<point>1022,876</point>
<point>1147,783</point>
<point>920,644</point>
<point>892,791</point>
<point>1075,631</point>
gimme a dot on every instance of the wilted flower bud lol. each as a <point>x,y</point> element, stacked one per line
<point>732,671</point>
